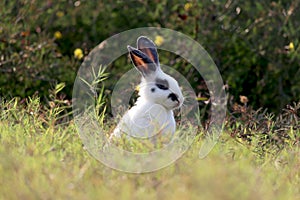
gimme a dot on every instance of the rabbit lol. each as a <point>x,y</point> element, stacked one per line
<point>159,95</point>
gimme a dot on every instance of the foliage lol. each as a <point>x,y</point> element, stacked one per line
<point>254,44</point>
<point>264,132</point>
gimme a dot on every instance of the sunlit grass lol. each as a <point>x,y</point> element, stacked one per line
<point>46,161</point>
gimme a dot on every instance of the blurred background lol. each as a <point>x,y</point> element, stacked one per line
<point>255,44</point>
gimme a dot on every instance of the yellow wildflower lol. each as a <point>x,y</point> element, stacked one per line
<point>137,88</point>
<point>78,53</point>
<point>60,14</point>
<point>291,46</point>
<point>159,40</point>
<point>57,35</point>
<point>187,6</point>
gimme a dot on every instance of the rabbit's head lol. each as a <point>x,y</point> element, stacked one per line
<point>156,87</point>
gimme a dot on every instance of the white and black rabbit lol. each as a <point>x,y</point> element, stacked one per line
<point>159,94</point>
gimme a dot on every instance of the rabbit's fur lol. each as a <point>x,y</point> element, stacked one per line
<point>159,94</point>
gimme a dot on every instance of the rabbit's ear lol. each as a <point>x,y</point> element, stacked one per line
<point>141,61</point>
<point>148,47</point>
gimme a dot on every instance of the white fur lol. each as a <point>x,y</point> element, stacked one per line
<point>153,111</point>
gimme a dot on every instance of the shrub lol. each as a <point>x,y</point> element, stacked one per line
<point>254,44</point>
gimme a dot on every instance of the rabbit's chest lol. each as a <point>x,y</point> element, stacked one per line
<point>149,120</point>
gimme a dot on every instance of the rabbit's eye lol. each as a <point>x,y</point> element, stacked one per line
<point>162,87</point>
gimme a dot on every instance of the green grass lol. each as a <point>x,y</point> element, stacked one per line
<point>41,160</point>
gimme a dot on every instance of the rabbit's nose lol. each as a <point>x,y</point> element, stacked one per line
<point>173,96</point>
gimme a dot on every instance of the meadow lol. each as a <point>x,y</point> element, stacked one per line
<point>255,46</point>
<point>42,157</point>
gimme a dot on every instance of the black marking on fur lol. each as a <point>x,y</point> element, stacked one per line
<point>162,84</point>
<point>173,96</point>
